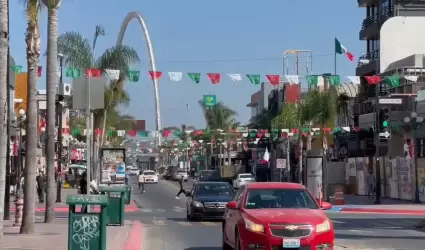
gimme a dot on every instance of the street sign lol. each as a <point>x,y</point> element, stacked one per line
<point>390,101</point>
<point>281,163</point>
<point>210,100</point>
<point>386,135</point>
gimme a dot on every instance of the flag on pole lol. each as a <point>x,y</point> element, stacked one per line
<point>340,49</point>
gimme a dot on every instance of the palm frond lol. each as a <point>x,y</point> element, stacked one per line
<point>100,31</point>
<point>119,57</point>
<point>76,50</point>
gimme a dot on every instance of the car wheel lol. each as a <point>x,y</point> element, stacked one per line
<point>190,216</point>
<point>225,246</point>
<point>237,242</point>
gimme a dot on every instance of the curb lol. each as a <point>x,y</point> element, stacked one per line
<point>381,211</point>
<point>134,238</point>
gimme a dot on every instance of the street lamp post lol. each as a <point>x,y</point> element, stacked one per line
<point>415,122</point>
<point>59,116</point>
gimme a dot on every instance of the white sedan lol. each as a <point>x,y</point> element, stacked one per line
<point>150,176</point>
<point>241,179</point>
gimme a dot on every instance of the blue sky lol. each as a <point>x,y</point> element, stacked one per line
<point>219,36</point>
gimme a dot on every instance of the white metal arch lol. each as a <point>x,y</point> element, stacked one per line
<point>136,15</point>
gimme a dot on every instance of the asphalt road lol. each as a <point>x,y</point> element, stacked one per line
<point>165,226</point>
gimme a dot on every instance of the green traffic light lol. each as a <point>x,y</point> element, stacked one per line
<point>385,123</point>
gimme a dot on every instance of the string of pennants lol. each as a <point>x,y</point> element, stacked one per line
<point>215,78</point>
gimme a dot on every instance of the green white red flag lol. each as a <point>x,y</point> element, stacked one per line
<point>341,49</point>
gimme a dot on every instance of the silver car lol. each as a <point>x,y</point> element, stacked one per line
<point>180,174</point>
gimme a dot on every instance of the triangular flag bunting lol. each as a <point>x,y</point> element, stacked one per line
<point>254,79</point>
<point>113,74</point>
<point>235,77</point>
<point>196,77</point>
<point>354,79</point>
<point>93,73</point>
<point>373,80</point>
<point>133,75</point>
<point>155,74</point>
<point>17,69</point>
<point>175,76</point>
<point>293,79</point>
<point>394,81</point>
<point>412,78</point>
<point>312,80</point>
<point>214,77</point>
<point>273,79</point>
<point>73,73</point>
<point>334,80</point>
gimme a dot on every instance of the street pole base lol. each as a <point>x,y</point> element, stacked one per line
<point>377,202</point>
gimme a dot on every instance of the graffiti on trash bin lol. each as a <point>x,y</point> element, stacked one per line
<point>84,230</point>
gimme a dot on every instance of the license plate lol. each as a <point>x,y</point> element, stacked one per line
<point>291,243</point>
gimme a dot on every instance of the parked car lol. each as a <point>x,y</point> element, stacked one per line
<point>180,174</point>
<point>276,215</point>
<point>150,176</point>
<point>241,179</point>
<point>208,200</point>
<point>133,170</point>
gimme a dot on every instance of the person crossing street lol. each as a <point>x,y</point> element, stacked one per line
<point>181,191</point>
<point>141,181</point>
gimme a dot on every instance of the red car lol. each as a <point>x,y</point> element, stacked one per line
<point>276,216</point>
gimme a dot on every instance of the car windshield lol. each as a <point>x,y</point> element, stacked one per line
<point>181,172</point>
<point>246,176</point>
<point>279,198</point>
<point>214,189</point>
<point>149,173</point>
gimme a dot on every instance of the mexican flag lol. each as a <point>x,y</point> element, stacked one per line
<point>340,49</point>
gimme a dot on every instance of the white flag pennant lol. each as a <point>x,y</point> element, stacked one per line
<point>175,76</point>
<point>293,79</point>
<point>113,74</point>
<point>412,78</point>
<point>59,71</point>
<point>235,77</point>
<point>354,79</point>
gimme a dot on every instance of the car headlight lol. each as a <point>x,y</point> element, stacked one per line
<point>254,227</point>
<point>197,204</point>
<point>323,227</point>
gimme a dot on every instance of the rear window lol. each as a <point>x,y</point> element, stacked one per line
<point>149,173</point>
<point>246,176</point>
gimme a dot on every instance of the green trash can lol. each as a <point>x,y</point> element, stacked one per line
<point>127,195</point>
<point>115,212</point>
<point>87,230</point>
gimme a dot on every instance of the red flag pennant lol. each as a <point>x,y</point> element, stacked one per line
<point>214,77</point>
<point>66,131</point>
<point>373,80</point>
<point>166,133</point>
<point>155,74</point>
<point>39,71</point>
<point>99,131</point>
<point>93,73</point>
<point>295,131</point>
<point>273,79</point>
<point>132,133</point>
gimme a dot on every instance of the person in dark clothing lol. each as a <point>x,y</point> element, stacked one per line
<point>41,184</point>
<point>181,191</point>
<point>83,189</point>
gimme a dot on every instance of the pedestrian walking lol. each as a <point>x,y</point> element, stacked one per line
<point>181,191</point>
<point>141,181</point>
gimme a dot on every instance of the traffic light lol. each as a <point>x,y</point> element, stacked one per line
<point>384,119</point>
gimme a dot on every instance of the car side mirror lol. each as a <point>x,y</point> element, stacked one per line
<point>232,205</point>
<point>326,205</point>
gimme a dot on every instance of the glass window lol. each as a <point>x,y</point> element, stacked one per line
<point>215,189</point>
<point>279,198</point>
<point>246,176</point>
<point>149,173</point>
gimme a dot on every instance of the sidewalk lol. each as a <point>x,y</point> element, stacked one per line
<point>62,207</point>
<point>55,237</point>
<point>362,204</point>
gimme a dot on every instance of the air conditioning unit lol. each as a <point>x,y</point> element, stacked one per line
<point>65,90</point>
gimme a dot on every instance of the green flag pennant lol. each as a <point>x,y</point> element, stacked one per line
<point>334,80</point>
<point>133,75</point>
<point>312,80</point>
<point>73,73</point>
<point>110,133</point>
<point>75,132</point>
<point>196,77</point>
<point>254,79</point>
<point>17,69</point>
<point>394,81</point>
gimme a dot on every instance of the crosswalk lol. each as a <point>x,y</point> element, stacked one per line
<point>160,210</point>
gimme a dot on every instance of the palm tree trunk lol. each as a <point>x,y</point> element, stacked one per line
<point>52,79</point>
<point>32,40</point>
<point>4,142</point>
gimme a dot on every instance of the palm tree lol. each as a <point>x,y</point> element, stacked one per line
<point>219,117</point>
<point>52,79</point>
<point>4,141</point>
<point>78,53</point>
<point>342,102</point>
<point>32,39</point>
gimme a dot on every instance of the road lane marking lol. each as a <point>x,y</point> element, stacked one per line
<point>159,222</point>
<point>184,223</point>
<point>208,223</point>
<point>161,210</point>
<point>172,185</point>
<point>146,210</point>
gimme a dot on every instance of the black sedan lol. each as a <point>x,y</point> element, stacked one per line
<point>208,200</point>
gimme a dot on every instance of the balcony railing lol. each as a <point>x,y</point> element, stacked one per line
<point>367,58</point>
<point>380,17</point>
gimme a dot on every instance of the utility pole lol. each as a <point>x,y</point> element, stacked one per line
<point>377,145</point>
<point>59,118</point>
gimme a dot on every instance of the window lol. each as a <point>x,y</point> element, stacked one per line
<point>246,176</point>
<point>214,189</point>
<point>279,198</point>
<point>149,173</point>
